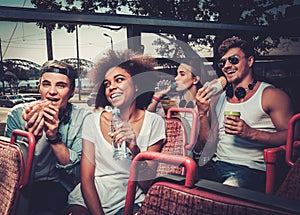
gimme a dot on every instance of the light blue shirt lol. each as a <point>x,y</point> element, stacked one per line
<point>46,165</point>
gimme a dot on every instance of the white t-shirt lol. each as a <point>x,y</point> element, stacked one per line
<point>234,149</point>
<point>111,176</point>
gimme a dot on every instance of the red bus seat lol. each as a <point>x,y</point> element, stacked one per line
<point>175,194</point>
<point>176,139</point>
<point>15,170</point>
<point>280,159</point>
<point>290,188</point>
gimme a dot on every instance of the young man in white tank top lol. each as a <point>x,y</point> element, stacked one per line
<point>265,112</point>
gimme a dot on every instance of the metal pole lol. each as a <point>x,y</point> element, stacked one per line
<point>111,40</point>
<point>78,65</point>
<point>1,67</point>
<point>49,43</point>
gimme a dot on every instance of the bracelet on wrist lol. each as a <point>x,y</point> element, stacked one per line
<point>196,155</point>
<point>155,98</point>
<point>202,114</point>
<point>56,140</point>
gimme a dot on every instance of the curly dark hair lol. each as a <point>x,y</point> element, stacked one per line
<point>235,42</point>
<point>139,66</point>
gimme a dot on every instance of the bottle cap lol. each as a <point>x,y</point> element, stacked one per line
<point>216,85</point>
<point>116,110</point>
<point>223,81</point>
<point>173,85</point>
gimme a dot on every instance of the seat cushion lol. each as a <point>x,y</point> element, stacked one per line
<point>10,173</point>
<point>290,187</point>
<point>166,199</point>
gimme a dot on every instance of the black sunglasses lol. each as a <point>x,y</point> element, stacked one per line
<point>232,59</point>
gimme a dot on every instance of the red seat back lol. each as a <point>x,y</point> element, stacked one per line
<point>179,195</point>
<point>176,139</point>
<point>276,168</point>
<point>193,128</point>
<point>280,159</point>
<point>11,164</point>
<point>290,187</point>
<point>171,198</point>
<point>15,169</point>
<point>174,145</point>
<point>293,140</point>
<point>188,163</point>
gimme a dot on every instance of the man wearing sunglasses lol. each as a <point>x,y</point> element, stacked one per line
<point>237,159</point>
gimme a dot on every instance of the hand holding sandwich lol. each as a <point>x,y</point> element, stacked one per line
<point>41,116</point>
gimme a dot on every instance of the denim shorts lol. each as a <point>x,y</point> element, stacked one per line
<point>241,176</point>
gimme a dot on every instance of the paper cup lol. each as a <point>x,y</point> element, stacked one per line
<point>167,103</point>
<point>232,113</point>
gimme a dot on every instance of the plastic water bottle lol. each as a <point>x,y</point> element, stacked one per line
<point>164,84</point>
<point>120,151</point>
<point>216,85</point>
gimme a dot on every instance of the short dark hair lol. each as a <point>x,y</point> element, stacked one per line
<point>61,67</point>
<point>235,42</point>
<point>135,64</point>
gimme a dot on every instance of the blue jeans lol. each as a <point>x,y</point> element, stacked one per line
<point>245,177</point>
<point>48,198</point>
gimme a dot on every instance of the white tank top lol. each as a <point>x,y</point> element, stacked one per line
<point>234,149</point>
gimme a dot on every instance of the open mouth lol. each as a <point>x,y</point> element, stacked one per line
<point>230,72</point>
<point>115,95</point>
<point>53,99</point>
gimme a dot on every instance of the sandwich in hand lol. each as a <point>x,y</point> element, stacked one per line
<point>37,107</point>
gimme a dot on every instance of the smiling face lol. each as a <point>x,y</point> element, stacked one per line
<point>119,88</point>
<point>236,72</point>
<point>55,87</point>
<point>184,78</point>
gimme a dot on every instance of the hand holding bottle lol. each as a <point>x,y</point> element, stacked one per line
<point>163,87</point>
<point>209,89</point>
<point>122,135</point>
<point>215,86</point>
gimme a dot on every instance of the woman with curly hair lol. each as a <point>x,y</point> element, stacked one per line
<point>125,83</point>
